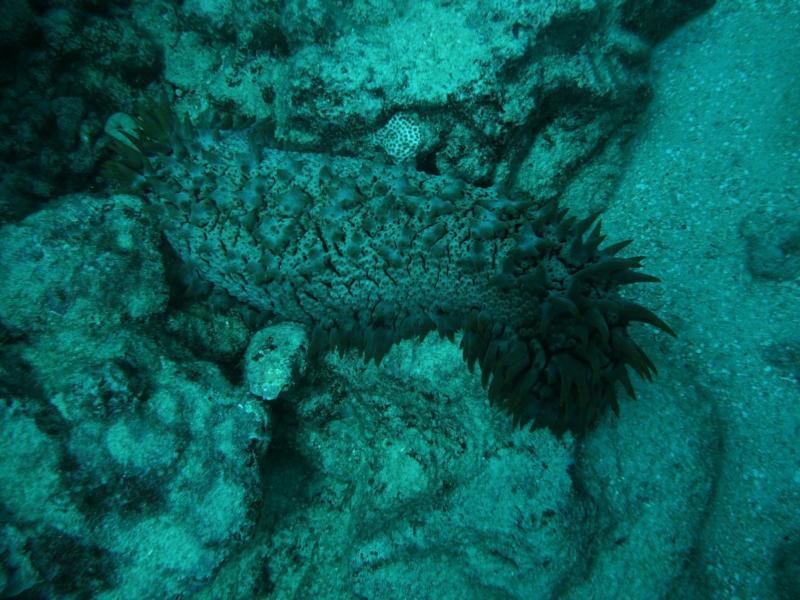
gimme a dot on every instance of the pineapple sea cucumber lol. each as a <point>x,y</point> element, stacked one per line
<point>366,254</point>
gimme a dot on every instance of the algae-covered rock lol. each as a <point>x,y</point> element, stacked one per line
<point>124,471</point>
<point>275,359</point>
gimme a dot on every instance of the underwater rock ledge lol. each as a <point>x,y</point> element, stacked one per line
<point>367,254</point>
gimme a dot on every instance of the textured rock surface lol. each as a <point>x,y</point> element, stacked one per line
<point>124,472</point>
<point>538,95</point>
<point>50,283</point>
<point>401,481</point>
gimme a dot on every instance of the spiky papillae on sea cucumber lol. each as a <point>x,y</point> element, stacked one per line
<point>367,254</point>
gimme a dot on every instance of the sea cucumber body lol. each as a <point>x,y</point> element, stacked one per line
<point>366,254</point>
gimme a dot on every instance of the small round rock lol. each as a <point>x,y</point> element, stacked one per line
<point>275,359</point>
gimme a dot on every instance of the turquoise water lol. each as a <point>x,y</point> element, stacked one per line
<point>226,229</point>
